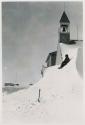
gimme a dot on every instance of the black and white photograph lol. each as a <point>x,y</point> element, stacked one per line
<point>42,62</point>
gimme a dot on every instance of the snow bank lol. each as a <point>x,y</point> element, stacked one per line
<point>61,81</point>
<point>60,96</point>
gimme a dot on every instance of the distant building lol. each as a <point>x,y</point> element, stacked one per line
<point>11,84</point>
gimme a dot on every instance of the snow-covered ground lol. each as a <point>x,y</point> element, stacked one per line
<point>61,95</point>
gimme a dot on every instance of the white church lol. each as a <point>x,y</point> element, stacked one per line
<point>64,37</point>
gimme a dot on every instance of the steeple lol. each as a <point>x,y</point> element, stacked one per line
<point>64,32</point>
<point>64,18</point>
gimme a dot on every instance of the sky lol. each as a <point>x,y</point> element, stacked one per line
<point>30,33</point>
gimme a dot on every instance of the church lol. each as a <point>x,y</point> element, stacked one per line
<point>64,37</point>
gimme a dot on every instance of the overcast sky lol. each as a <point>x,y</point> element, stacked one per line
<point>30,32</point>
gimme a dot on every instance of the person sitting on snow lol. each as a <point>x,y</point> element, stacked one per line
<point>66,60</point>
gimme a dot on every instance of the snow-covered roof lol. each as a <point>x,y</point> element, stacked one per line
<point>50,54</point>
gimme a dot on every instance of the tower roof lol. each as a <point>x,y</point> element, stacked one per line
<point>64,18</point>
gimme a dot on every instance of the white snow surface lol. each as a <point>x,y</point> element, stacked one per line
<point>60,96</point>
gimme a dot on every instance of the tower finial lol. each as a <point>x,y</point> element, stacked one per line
<point>64,6</point>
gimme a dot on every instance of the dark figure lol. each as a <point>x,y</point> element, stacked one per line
<point>66,60</point>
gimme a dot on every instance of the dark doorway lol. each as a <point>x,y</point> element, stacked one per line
<point>53,59</point>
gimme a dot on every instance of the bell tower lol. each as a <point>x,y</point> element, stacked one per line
<point>64,29</point>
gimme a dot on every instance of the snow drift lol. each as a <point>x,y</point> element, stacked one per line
<point>60,95</point>
<point>61,81</point>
